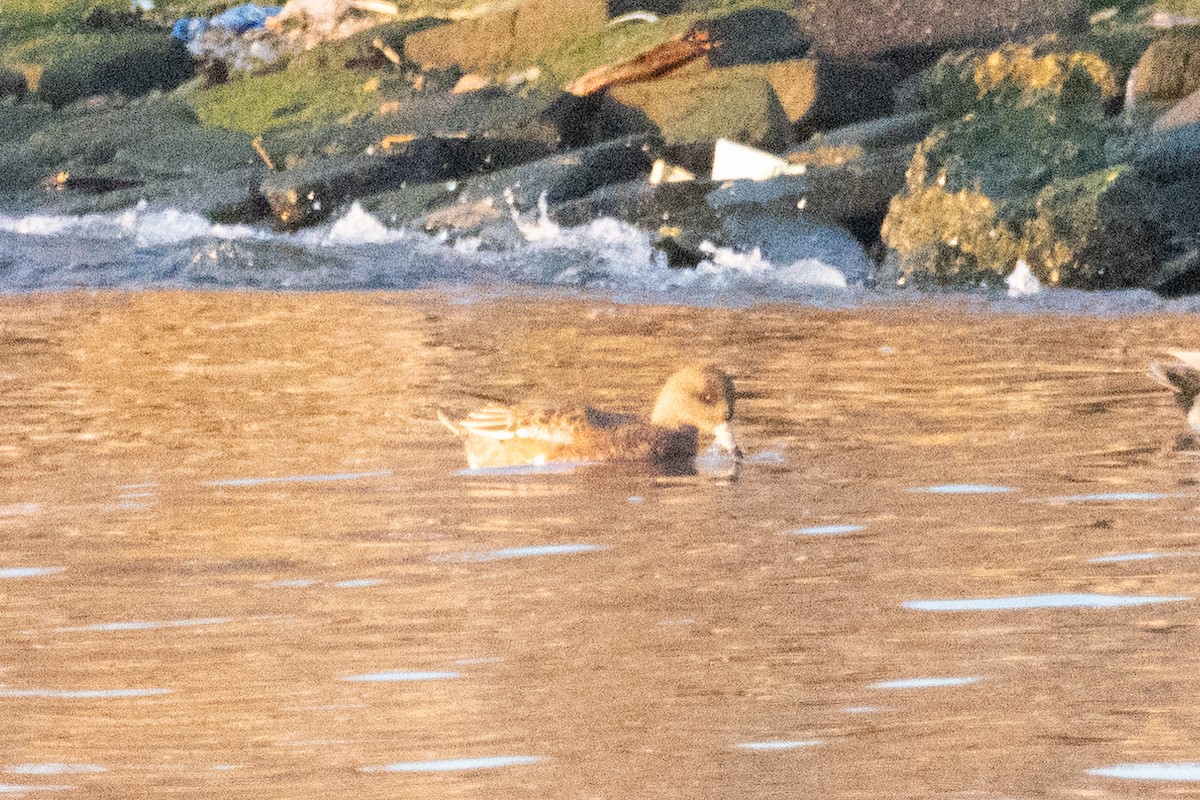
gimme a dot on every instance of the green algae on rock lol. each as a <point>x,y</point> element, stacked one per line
<point>999,178</point>
<point>947,237</point>
<point>1097,231</point>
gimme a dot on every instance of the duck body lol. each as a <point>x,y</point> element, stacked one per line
<point>1182,378</point>
<point>694,400</point>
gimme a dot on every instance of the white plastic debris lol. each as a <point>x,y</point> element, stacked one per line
<point>662,172</point>
<point>739,162</point>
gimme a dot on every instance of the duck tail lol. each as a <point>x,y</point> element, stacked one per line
<point>453,428</point>
<point>1182,379</point>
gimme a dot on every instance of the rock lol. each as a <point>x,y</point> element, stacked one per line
<point>1169,69</point>
<point>12,85</point>
<point>1173,168</point>
<point>823,93</point>
<point>80,159</point>
<point>754,36</point>
<point>309,193</point>
<point>1097,231</point>
<point>917,32</point>
<point>852,187</point>
<point>1036,119</point>
<point>652,208</point>
<point>1097,228</point>
<point>1018,75</point>
<point>884,132</point>
<point>938,237</point>
<point>508,38</point>
<point>561,178</point>
<point>736,103</point>
<point>785,237</point>
<point>63,68</point>
<point>1180,276</point>
<point>1185,112</point>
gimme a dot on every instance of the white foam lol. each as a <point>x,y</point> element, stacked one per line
<point>141,225</point>
<point>357,226</point>
<point>727,266</point>
<point>1021,281</point>
<point>541,228</point>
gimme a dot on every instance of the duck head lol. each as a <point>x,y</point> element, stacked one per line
<point>700,396</point>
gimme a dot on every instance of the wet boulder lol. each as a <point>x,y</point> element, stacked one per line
<point>310,192</point>
<point>790,239</point>
<point>554,181</point>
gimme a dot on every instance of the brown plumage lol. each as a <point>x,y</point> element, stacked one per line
<point>695,400</point>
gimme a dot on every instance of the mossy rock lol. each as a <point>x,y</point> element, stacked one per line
<point>1016,75</point>
<point>1012,153</point>
<point>943,237</point>
<point>973,184</point>
<point>1100,230</point>
<point>63,68</point>
<point>1097,231</point>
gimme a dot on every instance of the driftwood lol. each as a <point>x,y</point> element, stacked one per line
<point>671,54</point>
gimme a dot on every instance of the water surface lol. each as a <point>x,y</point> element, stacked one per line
<point>240,556</point>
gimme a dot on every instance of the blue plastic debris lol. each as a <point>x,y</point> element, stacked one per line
<point>238,19</point>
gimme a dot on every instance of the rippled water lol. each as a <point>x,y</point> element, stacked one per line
<point>239,554</point>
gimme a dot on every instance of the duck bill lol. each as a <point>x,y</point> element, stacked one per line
<point>723,433</point>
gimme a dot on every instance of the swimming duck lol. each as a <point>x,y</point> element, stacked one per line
<point>1184,380</point>
<point>696,399</point>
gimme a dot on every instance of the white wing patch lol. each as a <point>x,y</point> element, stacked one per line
<point>501,422</point>
<point>547,433</point>
<point>494,422</point>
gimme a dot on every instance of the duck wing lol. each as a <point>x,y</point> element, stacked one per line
<point>597,418</point>
<point>505,422</point>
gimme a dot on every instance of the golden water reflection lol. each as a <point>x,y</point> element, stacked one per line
<point>216,508</point>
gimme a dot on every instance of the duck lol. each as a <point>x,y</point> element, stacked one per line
<point>1182,378</point>
<point>697,399</point>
